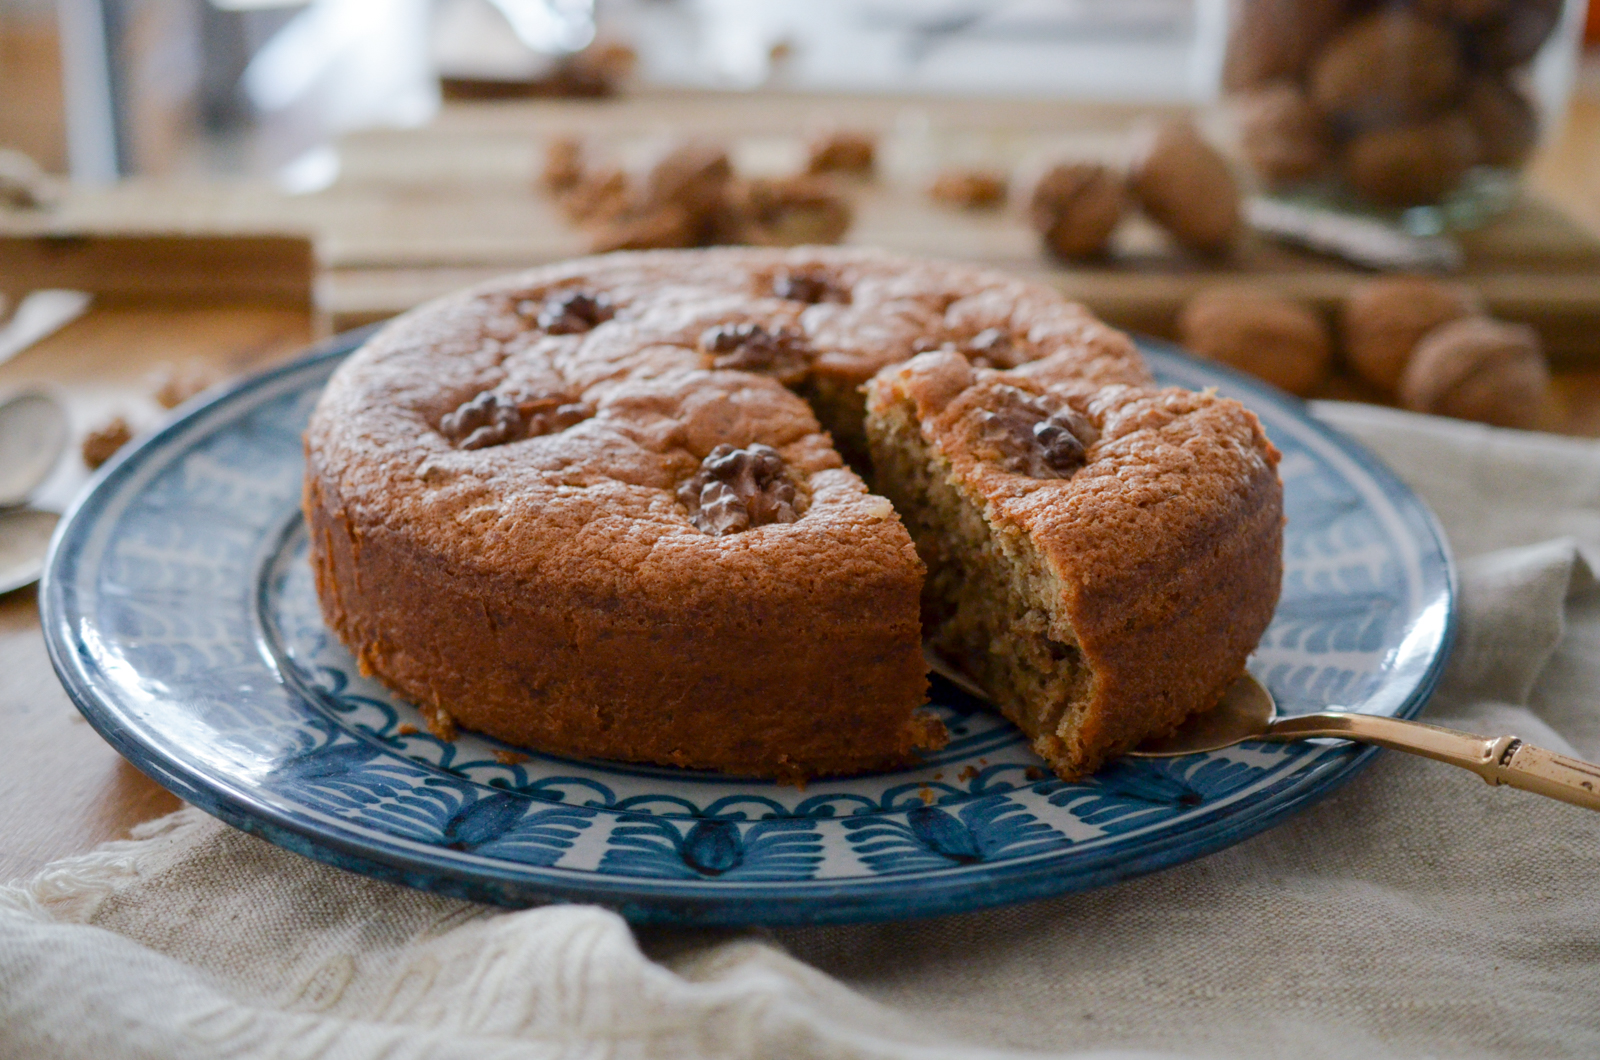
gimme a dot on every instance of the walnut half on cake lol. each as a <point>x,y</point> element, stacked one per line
<point>1101,560</point>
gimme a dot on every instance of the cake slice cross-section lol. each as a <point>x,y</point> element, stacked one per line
<point>1102,559</point>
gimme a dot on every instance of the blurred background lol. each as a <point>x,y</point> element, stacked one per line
<point>103,89</point>
<point>219,181</point>
<point>106,88</point>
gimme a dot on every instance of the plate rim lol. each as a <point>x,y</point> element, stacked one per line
<point>415,864</point>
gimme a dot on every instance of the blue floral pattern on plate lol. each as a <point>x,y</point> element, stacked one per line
<point>181,616</point>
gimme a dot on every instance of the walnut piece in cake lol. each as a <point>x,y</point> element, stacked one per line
<point>809,287</point>
<point>494,418</point>
<point>747,347</point>
<point>1028,434</point>
<point>573,312</point>
<point>741,489</point>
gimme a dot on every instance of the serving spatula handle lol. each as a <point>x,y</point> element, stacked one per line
<point>1498,760</point>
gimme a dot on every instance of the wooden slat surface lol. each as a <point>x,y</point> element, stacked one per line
<point>416,213</point>
<point>140,267</point>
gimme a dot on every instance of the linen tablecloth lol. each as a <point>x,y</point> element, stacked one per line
<point>1415,912</point>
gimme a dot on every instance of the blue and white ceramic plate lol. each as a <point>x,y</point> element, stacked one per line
<point>180,614</point>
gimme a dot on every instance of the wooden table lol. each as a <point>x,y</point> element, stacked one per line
<point>63,790</point>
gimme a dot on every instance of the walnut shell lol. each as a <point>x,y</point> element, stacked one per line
<point>1514,35</point>
<point>1504,120</point>
<point>1272,338</point>
<point>663,227</point>
<point>790,211</point>
<point>693,175</point>
<point>1385,69</point>
<point>1273,39</point>
<point>1185,186</point>
<point>1075,207</point>
<point>1282,135</point>
<point>563,165</point>
<point>1383,320</point>
<point>1479,369</point>
<point>1412,164</point>
<point>600,196</point>
<point>843,152</point>
<point>1466,12</point>
<point>969,189</point>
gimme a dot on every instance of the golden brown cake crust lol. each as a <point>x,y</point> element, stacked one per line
<point>552,590</point>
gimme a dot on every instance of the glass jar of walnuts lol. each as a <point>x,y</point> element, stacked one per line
<point>1424,110</point>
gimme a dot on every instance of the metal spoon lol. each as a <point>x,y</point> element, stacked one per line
<point>1248,712</point>
<point>24,541</point>
<point>33,432</point>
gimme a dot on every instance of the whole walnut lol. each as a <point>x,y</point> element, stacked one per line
<point>1075,207</point>
<point>1479,369</point>
<point>1282,135</point>
<point>1184,184</point>
<point>1382,321</point>
<point>1411,164</point>
<point>1273,39</point>
<point>1386,68</point>
<point>1503,120</point>
<point>692,175</point>
<point>1272,338</point>
<point>1513,35</point>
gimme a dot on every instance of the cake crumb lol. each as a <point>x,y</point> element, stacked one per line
<point>177,383</point>
<point>878,509</point>
<point>1034,773</point>
<point>967,773</point>
<point>440,723</point>
<point>407,729</point>
<point>508,758</point>
<point>926,794</point>
<point>102,443</point>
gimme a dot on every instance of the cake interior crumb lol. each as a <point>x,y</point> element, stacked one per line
<point>985,601</point>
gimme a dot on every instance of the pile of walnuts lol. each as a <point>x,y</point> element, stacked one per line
<point>1178,179</point>
<point>691,197</point>
<point>1398,100</point>
<point>1424,343</point>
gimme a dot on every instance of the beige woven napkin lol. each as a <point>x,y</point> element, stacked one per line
<point>1416,912</point>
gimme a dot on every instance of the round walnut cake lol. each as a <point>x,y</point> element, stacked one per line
<point>615,508</point>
